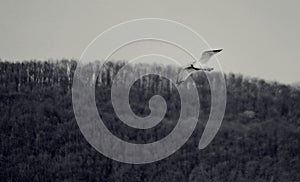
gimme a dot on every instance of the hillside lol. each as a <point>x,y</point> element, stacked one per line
<point>40,140</point>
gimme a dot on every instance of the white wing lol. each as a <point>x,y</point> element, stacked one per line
<point>183,75</point>
<point>208,54</point>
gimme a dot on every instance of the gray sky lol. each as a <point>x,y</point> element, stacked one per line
<point>260,38</point>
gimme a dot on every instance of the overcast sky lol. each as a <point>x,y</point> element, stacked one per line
<point>260,38</point>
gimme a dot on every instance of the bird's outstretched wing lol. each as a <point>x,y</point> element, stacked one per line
<point>208,54</point>
<point>183,75</point>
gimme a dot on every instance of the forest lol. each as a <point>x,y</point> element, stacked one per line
<point>259,139</point>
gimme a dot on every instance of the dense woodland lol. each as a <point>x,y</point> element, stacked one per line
<point>259,139</point>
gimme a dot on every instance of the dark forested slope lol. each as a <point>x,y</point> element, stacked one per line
<point>40,140</point>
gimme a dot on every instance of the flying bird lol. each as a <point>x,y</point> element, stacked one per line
<point>196,66</point>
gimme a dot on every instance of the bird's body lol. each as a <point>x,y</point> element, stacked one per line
<point>197,66</point>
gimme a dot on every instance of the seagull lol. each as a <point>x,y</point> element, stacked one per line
<point>196,66</point>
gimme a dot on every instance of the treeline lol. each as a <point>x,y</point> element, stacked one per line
<point>40,140</point>
<point>251,96</point>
